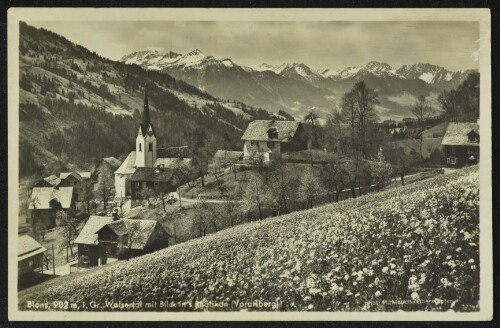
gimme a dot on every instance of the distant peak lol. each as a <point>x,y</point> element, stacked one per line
<point>195,52</point>
<point>375,65</point>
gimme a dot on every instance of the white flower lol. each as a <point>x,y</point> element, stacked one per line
<point>385,269</point>
<point>471,261</point>
<point>415,296</point>
<point>378,293</point>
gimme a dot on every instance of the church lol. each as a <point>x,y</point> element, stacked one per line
<point>149,167</point>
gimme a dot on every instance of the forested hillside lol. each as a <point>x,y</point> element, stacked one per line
<point>77,107</point>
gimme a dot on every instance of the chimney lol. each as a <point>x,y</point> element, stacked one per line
<point>115,215</point>
<point>273,118</point>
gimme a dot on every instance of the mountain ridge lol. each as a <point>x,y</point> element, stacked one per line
<point>295,87</point>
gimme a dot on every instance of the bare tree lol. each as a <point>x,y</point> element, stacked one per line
<point>382,171</point>
<point>218,173</point>
<point>256,195</point>
<point>87,194</point>
<point>70,226</point>
<point>312,118</point>
<point>422,111</point>
<point>331,176</point>
<point>365,99</point>
<point>105,185</point>
<point>309,188</point>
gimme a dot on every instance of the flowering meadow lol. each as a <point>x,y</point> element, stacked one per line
<point>414,247</point>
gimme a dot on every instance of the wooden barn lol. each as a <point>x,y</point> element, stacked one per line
<point>89,252</point>
<point>461,144</point>
<point>103,238</point>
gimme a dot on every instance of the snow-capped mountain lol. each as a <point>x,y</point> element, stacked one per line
<point>432,74</point>
<point>295,87</point>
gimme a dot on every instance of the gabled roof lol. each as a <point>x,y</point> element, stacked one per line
<point>28,247</point>
<point>128,165</point>
<point>118,227</point>
<point>139,231</point>
<point>152,174</point>
<point>228,156</point>
<point>88,235</point>
<point>53,180</point>
<point>171,162</point>
<point>174,152</point>
<point>457,134</point>
<point>113,162</point>
<point>258,130</point>
<point>84,175</point>
<point>44,196</point>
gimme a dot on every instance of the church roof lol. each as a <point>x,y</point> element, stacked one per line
<point>152,174</point>
<point>258,130</point>
<point>128,165</point>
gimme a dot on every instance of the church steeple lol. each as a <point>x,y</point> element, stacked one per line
<point>146,119</point>
<point>146,140</point>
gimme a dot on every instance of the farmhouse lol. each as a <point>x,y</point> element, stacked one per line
<point>29,256</point>
<point>149,166</point>
<point>461,144</point>
<point>267,139</point>
<point>76,180</point>
<point>46,201</point>
<point>103,238</point>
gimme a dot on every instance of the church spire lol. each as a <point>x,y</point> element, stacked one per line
<point>145,114</point>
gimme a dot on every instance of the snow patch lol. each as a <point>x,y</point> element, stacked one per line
<point>427,77</point>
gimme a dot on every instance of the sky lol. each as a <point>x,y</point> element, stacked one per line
<point>320,45</point>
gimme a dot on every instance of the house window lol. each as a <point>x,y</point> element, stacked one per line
<point>254,143</point>
<point>451,160</point>
<point>85,259</point>
<point>150,146</point>
<point>85,247</point>
<point>156,185</point>
<point>108,249</point>
<point>30,264</point>
<point>140,147</point>
<point>270,144</point>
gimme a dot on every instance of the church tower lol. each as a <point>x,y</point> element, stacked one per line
<point>145,143</point>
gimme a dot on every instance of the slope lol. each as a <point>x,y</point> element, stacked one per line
<point>77,107</point>
<point>411,245</point>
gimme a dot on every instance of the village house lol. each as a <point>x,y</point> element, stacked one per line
<point>149,166</point>
<point>105,238</point>
<point>267,139</point>
<point>461,144</point>
<point>46,201</point>
<point>30,258</point>
<point>75,179</point>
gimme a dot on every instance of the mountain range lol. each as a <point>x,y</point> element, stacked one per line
<point>295,87</point>
<point>77,107</point>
